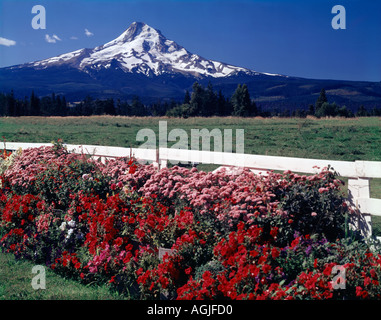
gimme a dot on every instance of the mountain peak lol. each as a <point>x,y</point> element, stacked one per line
<point>136,29</point>
<point>145,50</point>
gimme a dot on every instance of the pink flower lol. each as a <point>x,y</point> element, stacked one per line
<point>321,190</point>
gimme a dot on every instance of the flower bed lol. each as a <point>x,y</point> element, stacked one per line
<point>232,236</point>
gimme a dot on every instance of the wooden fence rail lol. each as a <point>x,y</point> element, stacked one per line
<point>359,173</point>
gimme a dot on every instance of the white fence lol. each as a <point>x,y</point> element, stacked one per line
<point>359,173</point>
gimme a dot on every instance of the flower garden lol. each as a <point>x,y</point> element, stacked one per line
<point>229,235</point>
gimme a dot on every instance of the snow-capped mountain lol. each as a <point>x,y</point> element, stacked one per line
<point>142,62</point>
<point>143,49</point>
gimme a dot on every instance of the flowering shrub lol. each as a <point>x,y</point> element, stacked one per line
<point>228,236</point>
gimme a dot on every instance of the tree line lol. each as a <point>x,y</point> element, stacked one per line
<point>202,102</point>
<point>323,108</point>
<point>32,106</point>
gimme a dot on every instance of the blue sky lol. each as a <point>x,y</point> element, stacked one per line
<point>290,37</point>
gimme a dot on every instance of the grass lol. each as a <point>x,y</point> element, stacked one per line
<point>334,139</point>
<point>16,284</point>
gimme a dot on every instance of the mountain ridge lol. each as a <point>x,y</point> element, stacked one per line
<point>142,61</point>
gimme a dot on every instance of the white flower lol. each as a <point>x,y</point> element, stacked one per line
<point>69,232</point>
<point>71,223</point>
<point>63,226</point>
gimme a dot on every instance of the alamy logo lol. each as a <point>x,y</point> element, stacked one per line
<point>39,281</point>
<point>222,140</point>
<point>339,20</point>
<point>39,20</point>
<point>338,281</point>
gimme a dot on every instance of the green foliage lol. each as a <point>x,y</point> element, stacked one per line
<point>180,111</point>
<point>315,209</point>
<point>241,102</point>
<point>321,100</point>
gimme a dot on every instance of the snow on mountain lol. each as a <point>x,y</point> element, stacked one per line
<point>143,49</point>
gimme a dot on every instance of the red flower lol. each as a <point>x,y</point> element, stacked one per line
<point>295,242</point>
<point>266,268</point>
<point>274,253</point>
<point>118,241</point>
<point>328,269</point>
<point>367,281</point>
<point>132,169</point>
<point>164,282</point>
<point>254,253</point>
<point>274,232</point>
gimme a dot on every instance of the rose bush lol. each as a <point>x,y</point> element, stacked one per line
<point>229,235</point>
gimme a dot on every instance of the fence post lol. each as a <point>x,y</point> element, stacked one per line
<point>360,188</point>
<point>162,162</point>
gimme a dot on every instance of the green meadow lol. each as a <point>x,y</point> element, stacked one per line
<point>334,139</point>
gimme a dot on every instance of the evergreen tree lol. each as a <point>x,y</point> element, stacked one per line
<point>123,108</point>
<point>222,105</point>
<point>253,109</point>
<point>2,104</point>
<point>137,107</point>
<point>343,112</point>
<point>10,106</point>
<point>187,98</point>
<point>327,110</point>
<point>64,110</point>
<point>311,110</point>
<point>362,112</point>
<point>87,106</point>
<point>376,112</point>
<point>197,100</point>
<point>210,101</point>
<point>58,106</point>
<point>46,106</point>
<point>109,107</point>
<point>99,107</point>
<point>241,101</point>
<point>322,99</point>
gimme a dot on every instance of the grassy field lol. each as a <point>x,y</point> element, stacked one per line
<point>334,139</point>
